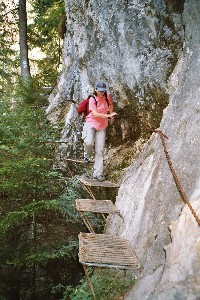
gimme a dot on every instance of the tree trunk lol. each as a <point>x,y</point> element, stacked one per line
<point>24,61</point>
<point>33,279</point>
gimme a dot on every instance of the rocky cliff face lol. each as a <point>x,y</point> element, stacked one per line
<point>132,45</point>
<point>160,227</point>
<point>148,53</point>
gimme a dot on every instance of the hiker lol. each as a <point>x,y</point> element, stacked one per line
<point>94,129</point>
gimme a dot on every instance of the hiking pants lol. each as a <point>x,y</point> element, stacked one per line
<point>93,137</point>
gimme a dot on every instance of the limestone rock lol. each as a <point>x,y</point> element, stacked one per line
<point>148,53</point>
<point>165,237</point>
<point>132,45</point>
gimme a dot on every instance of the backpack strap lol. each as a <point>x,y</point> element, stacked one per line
<point>106,95</point>
<point>88,98</point>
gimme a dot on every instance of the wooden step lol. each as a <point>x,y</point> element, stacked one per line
<point>96,206</point>
<point>77,160</point>
<point>101,250</point>
<point>95,182</point>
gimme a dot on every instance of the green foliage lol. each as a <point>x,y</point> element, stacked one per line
<point>30,92</point>
<point>108,285</point>
<point>41,6</point>
<point>66,251</point>
<point>38,224</point>
<point>31,214</point>
<point>9,57</point>
<point>16,217</point>
<point>43,34</point>
<point>23,132</point>
<point>25,157</point>
<point>73,191</point>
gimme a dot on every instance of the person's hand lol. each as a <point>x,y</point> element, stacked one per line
<point>112,116</point>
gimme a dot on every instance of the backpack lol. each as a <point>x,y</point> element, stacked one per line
<point>83,107</point>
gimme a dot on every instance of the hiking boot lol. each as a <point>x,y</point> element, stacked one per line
<point>99,177</point>
<point>86,160</point>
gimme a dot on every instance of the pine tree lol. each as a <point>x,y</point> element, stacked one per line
<point>31,206</point>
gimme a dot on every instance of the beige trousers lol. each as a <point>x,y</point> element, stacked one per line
<point>93,137</point>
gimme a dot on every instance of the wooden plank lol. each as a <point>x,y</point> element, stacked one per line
<point>77,160</point>
<point>96,183</point>
<point>97,206</point>
<point>106,251</point>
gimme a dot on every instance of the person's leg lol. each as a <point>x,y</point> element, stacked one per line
<point>99,151</point>
<point>88,135</point>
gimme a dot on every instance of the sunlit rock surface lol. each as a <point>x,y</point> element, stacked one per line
<point>160,227</point>
<point>132,45</point>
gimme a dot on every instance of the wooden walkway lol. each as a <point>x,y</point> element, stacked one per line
<point>101,250</point>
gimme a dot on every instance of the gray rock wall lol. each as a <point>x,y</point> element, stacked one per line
<point>148,52</point>
<point>160,227</point>
<point>132,45</point>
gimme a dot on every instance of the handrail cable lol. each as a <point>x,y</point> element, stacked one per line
<point>176,179</point>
